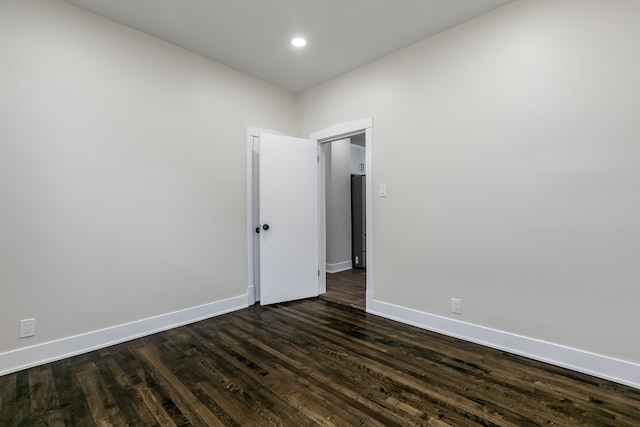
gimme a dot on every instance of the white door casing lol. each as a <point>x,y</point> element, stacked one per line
<point>334,133</point>
<point>288,170</point>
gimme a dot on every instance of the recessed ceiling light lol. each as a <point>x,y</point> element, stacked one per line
<point>298,41</point>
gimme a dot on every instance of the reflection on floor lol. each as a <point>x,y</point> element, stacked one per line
<point>347,287</point>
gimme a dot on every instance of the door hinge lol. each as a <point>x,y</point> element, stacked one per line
<point>318,273</point>
<point>318,158</point>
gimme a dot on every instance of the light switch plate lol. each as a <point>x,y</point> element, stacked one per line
<point>456,305</point>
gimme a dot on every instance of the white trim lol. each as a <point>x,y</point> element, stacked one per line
<point>368,160</point>
<point>322,217</point>
<point>342,130</point>
<point>251,288</point>
<point>23,358</point>
<point>606,367</point>
<point>339,266</point>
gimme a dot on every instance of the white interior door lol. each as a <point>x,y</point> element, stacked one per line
<point>288,218</point>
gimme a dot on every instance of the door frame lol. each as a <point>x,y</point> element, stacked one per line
<point>324,136</point>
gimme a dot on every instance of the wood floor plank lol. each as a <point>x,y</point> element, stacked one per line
<point>309,362</point>
<point>73,404</point>
<point>143,408</point>
<point>194,410</point>
<point>103,407</point>
<point>158,400</point>
<point>7,397</point>
<point>44,397</point>
<point>22,404</point>
<point>266,407</point>
<point>136,392</point>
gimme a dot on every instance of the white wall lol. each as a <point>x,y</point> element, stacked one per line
<point>122,173</point>
<point>510,147</point>
<point>338,206</point>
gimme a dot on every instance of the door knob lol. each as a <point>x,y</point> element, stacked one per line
<point>265,227</point>
<point>257,229</point>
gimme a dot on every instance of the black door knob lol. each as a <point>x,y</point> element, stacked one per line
<point>265,227</point>
<point>257,229</point>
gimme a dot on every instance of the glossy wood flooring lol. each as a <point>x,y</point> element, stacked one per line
<point>309,362</point>
<point>347,287</point>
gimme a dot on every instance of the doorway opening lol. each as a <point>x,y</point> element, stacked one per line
<point>345,214</point>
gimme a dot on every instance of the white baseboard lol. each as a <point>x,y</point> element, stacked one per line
<point>340,266</point>
<point>605,367</point>
<point>23,358</point>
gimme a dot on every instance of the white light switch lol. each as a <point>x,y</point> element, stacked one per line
<point>382,192</point>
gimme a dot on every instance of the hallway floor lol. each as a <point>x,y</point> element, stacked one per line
<point>347,288</point>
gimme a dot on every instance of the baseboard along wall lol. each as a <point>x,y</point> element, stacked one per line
<point>39,354</point>
<point>340,266</point>
<point>620,371</point>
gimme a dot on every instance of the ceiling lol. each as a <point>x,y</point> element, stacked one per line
<point>253,35</point>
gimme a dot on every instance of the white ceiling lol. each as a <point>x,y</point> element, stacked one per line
<point>253,35</point>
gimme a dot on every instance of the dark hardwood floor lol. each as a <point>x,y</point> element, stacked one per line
<point>347,287</point>
<point>309,362</point>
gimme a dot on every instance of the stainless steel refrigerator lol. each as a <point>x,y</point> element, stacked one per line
<point>358,222</point>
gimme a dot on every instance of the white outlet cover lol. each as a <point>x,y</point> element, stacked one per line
<point>27,328</point>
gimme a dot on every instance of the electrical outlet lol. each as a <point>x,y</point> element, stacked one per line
<point>456,305</point>
<point>27,328</point>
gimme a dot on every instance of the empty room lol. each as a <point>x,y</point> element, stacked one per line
<point>169,176</point>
